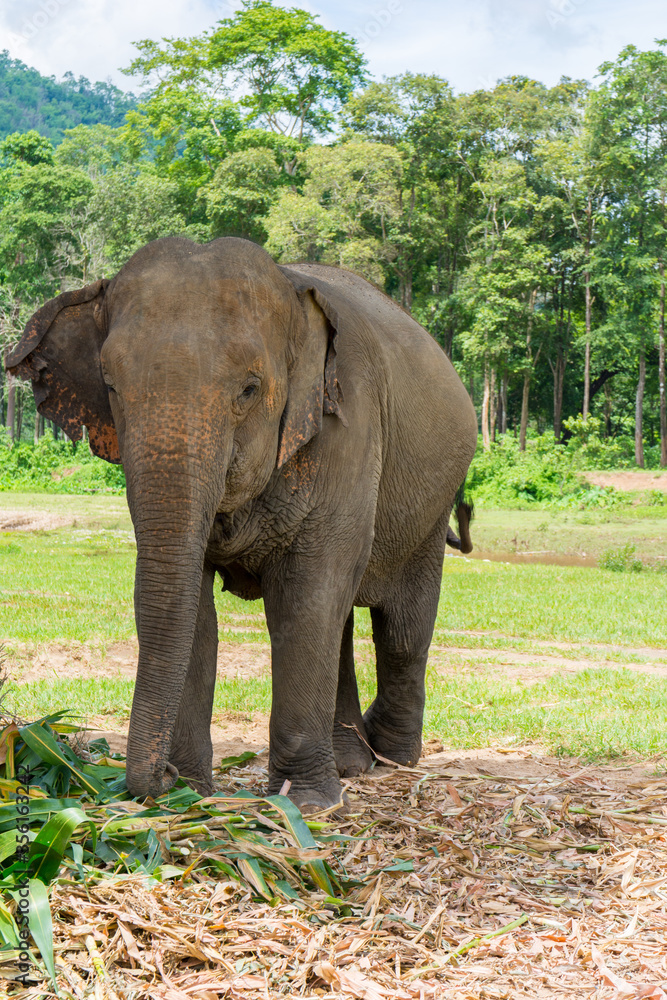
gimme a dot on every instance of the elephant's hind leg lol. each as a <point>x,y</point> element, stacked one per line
<point>351,753</point>
<point>402,633</point>
<point>191,747</point>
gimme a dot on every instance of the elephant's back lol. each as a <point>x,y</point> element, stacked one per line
<point>427,421</point>
<point>364,313</point>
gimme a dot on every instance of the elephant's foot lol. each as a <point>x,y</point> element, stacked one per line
<point>141,785</point>
<point>352,754</point>
<point>194,768</point>
<point>312,788</point>
<point>310,798</point>
<point>200,784</point>
<point>399,744</point>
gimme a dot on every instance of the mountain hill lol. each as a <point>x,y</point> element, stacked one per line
<point>29,100</point>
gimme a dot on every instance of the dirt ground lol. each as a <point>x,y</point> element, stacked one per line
<point>20,520</point>
<point>629,481</point>
<point>237,733</point>
<point>482,874</point>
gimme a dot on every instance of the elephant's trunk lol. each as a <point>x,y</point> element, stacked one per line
<point>172,510</point>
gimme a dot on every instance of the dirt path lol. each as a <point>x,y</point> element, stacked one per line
<point>245,660</point>
<point>237,732</point>
<point>16,520</point>
<point>629,481</point>
<point>27,662</point>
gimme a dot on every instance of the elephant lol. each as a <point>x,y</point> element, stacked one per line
<point>293,430</point>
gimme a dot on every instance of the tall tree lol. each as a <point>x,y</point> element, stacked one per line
<point>630,113</point>
<point>282,70</point>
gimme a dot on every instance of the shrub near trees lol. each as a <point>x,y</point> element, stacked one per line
<point>523,225</point>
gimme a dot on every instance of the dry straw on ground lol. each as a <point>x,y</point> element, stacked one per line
<point>506,877</point>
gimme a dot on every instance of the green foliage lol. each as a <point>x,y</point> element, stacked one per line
<point>347,211</point>
<point>592,497</point>
<point>242,191</point>
<point>293,72</point>
<point>655,498</point>
<point>56,467</point>
<point>591,450</point>
<point>80,823</point>
<point>129,208</point>
<point>550,473</point>
<point>27,147</point>
<point>29,100</point>
<point>621,560</point>
<point>523,225</point>
<point>37,239</point>
<point>505,475</point>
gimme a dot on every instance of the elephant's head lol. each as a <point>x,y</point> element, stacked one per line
<point>202,369</point>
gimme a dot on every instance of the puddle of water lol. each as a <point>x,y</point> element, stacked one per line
<point>545,558</point>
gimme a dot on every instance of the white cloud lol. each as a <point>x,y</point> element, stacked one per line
<point>470,44</point>
<point>94,38</point>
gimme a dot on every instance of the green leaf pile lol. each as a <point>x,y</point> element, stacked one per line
<point>82,825</point>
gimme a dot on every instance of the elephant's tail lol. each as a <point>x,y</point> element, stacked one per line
<point>465,511</point>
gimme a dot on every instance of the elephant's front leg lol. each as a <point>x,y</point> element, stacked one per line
<point>191,747</point>
<point>305,617</point>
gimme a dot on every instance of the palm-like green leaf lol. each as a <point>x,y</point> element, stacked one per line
<point>48,847</point>
<point>9,934</point>
<point>41,925</point>
<point>40,740</point>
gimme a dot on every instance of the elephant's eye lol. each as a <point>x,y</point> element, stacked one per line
<point>246,398</point>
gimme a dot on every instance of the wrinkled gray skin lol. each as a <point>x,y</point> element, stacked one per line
<point>317,490</point>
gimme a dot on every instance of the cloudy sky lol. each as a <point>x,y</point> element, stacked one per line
<point>471,43</point>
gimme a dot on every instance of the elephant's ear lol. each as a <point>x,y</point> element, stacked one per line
<point>60,353</point>
<point>313,383</point>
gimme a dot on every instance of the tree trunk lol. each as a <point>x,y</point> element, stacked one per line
<point>19,415</point>
<point>587,354</point>
<point>503,398</point>
<point>559,385</point>
<point>639,412</point>
<point>493,406</point>
<point>406,289</point>
<point>36,436</point>
<point>607,409</point>
<point>2,393</point>
<point>528,373</point>
<point>486,437</point>
<point>449,340</point>
<point>524,411</point>
<point>562,351</point>
<point>11,405</point>
<point>661,369</point>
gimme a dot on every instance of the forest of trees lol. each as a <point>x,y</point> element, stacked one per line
<point>525,226</point>
<point>29,100</point>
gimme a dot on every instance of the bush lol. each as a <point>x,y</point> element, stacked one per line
<point>505,476</point>
<point>621,560</point>
<point>655,498</point>
<point>56,467</point>
<point>549,474</point>
<point>590,450</point>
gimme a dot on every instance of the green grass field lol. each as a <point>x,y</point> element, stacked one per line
<point>72,584</point>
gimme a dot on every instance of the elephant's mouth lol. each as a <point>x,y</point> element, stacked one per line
<point>246,478</point>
